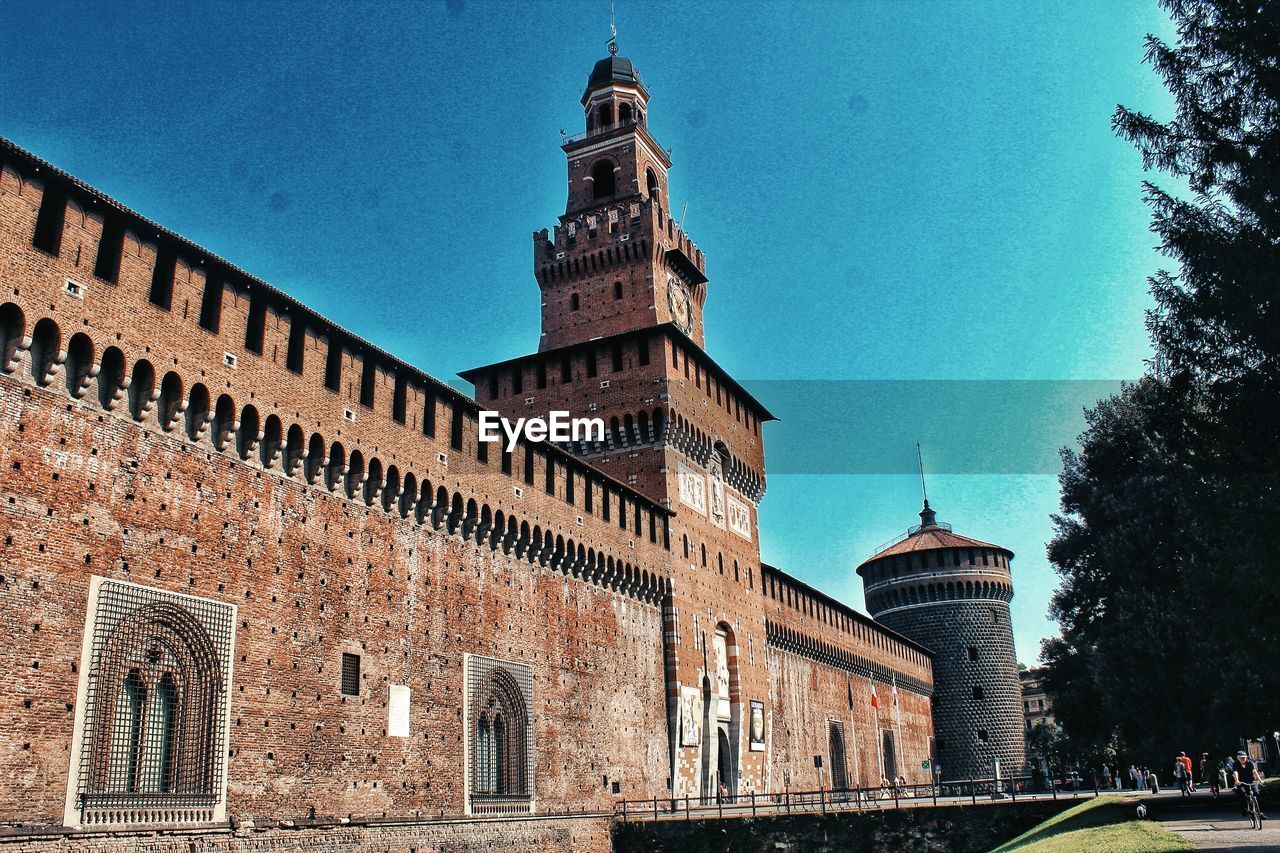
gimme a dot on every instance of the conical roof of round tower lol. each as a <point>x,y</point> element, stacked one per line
<point>930,536</point>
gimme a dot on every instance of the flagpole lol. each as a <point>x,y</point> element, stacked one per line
<point>853,730</point>
<point>875,710</point>
<point>897,717</point>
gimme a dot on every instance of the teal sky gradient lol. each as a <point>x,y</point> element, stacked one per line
<point>884,190</point>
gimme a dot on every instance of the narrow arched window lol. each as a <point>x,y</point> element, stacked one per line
<point>484,757</point>
<point>157,760</point>
<point>624,114</point>
<point>499,777</point>
<point>574,302</point>
<point>603,183</point>
<point>126,734</point>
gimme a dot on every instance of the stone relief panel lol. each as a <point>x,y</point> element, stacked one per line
<point>693,488</point>
<point>739,517</point>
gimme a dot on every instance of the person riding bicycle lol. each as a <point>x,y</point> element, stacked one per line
<point>1247,775</point>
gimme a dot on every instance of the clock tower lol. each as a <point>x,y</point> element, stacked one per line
<point>617,181</point>
<point>623,289</point>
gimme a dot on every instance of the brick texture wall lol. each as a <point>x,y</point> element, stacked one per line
<point>424,551</point>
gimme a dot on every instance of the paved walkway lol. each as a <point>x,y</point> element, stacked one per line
<point>1215,825</point>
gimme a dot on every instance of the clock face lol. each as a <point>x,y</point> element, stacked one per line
<point>678,301</point>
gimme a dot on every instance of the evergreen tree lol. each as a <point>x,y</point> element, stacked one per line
<point>1168,547</point>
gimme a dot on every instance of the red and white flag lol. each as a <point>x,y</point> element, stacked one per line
<point>875,701</point>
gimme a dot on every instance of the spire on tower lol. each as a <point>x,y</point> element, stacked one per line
<point>928,518</point>
<point>613,32</point>
<point>920,461</point>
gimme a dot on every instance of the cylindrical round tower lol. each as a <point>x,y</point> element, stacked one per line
<point>951,594</point>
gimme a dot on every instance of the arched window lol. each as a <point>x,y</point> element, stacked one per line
<point>126,734</point>
<point>624,113</point>
<point>156,700</point>
<point>158,740</point>
<point>500,781</point>
<point>651,181</point>
<point>484,757</point>
<point>604,115</point>
<point>574,302</point>
<point>603,183</point>
<point>498,697</point>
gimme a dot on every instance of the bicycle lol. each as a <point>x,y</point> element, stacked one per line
<point>1251,806</point>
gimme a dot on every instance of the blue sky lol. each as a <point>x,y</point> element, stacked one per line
<point>884,190</point>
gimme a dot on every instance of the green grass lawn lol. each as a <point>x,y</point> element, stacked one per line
<point>1104,823</point>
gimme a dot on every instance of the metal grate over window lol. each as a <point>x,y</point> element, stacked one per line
<point>350,674</point>
<point>500,740</point>
<point>153,742</point>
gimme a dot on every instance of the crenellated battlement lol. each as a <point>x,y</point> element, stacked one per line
<point>139,323</point>
<point>613,235</point>
<point>836,630</point>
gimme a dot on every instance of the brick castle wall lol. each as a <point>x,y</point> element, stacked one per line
<point>429,547</point>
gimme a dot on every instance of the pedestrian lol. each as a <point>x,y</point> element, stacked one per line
<point>1180,773</point>
<point>1133,776</point>
<point>1106,776</point>
<point>1186,764</point>
<point>1153,782</point>
<point>1230,765</point>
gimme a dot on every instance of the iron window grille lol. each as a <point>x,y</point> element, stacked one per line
<point>836,755</point>
<point>350,674</point>
<point>500,742</point>
<point>154,705</point>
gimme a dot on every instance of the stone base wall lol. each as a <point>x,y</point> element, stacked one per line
<point>582,835</point>
<point>948,829</point>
